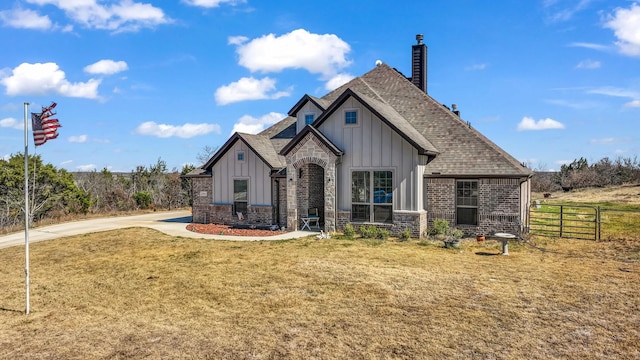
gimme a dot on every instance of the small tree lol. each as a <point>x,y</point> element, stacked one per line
<point>143,199</point>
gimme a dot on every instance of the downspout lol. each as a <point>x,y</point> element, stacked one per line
<point>277,201</point>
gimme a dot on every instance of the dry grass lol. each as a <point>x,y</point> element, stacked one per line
<point>137,293</point>
<point>625,194</point>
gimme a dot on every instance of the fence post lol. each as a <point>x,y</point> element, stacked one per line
<point>599,219</point>
<point>561,217</point>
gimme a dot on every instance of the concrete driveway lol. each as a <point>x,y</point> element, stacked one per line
<point>169,222</point>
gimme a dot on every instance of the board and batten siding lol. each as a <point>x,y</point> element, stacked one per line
<point>308,108</point>
<point>228,168</point>
<point>373,145</point>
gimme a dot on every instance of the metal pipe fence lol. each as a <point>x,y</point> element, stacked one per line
<point>583,222</point>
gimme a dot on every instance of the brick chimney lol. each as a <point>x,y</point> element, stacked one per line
<point>419,64</point>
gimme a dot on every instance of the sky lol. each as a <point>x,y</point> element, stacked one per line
<point>137,81</point>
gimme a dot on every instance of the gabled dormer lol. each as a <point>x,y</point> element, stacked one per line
<point>307,110</point>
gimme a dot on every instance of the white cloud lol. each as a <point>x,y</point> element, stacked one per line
<point>88,167</point>
<point>588,64</point>
<point>338,81</point>
<point>614,91</point>
<point>66,162</point>
<point>25,19</point>
<point>5,157</point>
<point>78,139</point>
<point>212,3</point>
<point>572,104</point>
<point>633,103</point>
<point>476,67</point>
<point>248,89</point>
<point>186,131</point>
<point>125,15</point>
<point>591,46</point>
<point>528,123</point>
<point>106,67</point>
<point>625,24</point>
<point>251,125</point>
<point>299,49</point>
<point>603,141</point>
<point>12,124</point>
<point>618,92</point>
<point>237,40</point>
<point>44,79</point>
<point>566,13</point>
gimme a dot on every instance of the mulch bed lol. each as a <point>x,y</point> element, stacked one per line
<point>218,229</point>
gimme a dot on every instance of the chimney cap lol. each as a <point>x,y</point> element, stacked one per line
<point>419,37</point>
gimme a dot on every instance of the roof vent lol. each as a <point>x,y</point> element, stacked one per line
<point>454,108</point>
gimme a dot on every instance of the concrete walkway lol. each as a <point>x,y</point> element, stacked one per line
<point>169,222</point>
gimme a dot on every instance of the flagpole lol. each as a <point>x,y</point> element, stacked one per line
<point>26,203</point>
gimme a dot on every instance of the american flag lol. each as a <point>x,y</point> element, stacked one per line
<point>44,127</point>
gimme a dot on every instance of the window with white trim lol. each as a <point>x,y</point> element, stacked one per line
<point>240,155</point>
<point>467,202</point>
<point>372,196</point>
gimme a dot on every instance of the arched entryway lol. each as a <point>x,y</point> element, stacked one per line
<point>311,178</point>
<point>310,189</point>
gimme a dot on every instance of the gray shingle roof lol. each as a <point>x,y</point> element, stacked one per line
<point>428,125</point>
<point>261,145</point>
<point>463,150</point>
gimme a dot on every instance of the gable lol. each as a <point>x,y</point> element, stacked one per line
<point>384,113</point>
<point>308,107</point>
<point>260,146</point>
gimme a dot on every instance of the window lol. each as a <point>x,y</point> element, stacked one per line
<point>372,196</point>
<point>240,196</point>
<point>351,117</point>
<point>467,202</point>
<point>240,155</point>
<point>308,119</point>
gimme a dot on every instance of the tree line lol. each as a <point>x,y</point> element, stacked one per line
<point>58,194</point>
<point>580,174</point>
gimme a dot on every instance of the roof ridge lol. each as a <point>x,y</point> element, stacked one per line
<point>379,98</point>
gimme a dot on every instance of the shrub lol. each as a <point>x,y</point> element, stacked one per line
<point>440,226</point>
<point>368,232</point>
<point>349,231</point>
<point>456,233</point>
<point>382,234</point>
<point>405,234</point>
<point>143,199</point>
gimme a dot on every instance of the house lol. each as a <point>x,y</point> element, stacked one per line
<point>377,150</point>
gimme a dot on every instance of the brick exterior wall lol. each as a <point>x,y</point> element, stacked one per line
<point>499,209</point>
<point>205,212</point>
<point>441,200</point>
<point>498,204</point>
<point>202,196</point>
<point>415,221</point>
